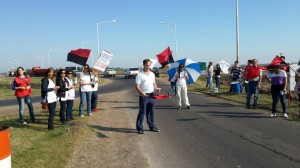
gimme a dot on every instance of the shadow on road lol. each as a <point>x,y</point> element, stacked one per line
<point>101,128</point>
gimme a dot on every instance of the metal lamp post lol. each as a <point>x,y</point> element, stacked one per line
<point>83,43</point>
<point>42,60</point>
<point>175,36</point>
<point>49,51</point>
<point>237,33</point>
<point>113,21</point>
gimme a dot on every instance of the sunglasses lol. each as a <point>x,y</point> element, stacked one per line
<point>62,73</point>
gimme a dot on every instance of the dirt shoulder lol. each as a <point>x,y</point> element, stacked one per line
<point>112,140</point>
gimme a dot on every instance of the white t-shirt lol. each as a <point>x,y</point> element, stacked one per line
<point>85,78</point>
<point>71,92</point>
<point>181,81</point>
<point>51,96</point>
<point>145,81</point>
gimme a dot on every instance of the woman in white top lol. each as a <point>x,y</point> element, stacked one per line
<point>94,100</point>
<point>85,90</point>
<point>71,95</point>
<point>210,70</point>
<point>181,77</point>
<point>48,94</point>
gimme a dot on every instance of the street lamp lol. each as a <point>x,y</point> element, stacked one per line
<point>18,62</point>
<point>237,33</point>
<point>82,43</point>
<point>42,60</point>
<point>113,21</point>
<point>12,64</point>
<point>49,51</point>
<point>175,38</point>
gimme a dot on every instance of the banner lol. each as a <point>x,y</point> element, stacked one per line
<point>103,61</point>
<point>224,66</point>
<point>292,76</point>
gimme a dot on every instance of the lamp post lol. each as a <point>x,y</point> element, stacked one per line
<point>49,51</point>
<point>237,33</point>
<point>175,36</point>
<point>12,64</point>
<point>113,21</point>
<point>42,60</point>
<point>84,42</point>
<point>18,62</point>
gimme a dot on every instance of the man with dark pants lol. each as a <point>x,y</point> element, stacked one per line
<point>253,74</point>
<point>145,85</point>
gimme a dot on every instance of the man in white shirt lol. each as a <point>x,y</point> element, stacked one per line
<point>145,85</point>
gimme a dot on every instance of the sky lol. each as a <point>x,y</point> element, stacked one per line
<point>205,30</point>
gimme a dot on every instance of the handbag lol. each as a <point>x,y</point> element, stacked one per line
<point>44,104</point>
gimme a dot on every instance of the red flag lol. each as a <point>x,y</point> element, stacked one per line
<point>165,57</point>
<point>79,56</point>
<point>277,62</point>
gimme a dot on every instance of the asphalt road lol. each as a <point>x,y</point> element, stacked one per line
<point>213,133</point>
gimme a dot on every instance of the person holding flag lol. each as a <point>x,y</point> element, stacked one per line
<point>278,79</point>
<point>253,74</point>
<point>145,85</point>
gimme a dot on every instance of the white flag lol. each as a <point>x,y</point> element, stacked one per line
<point>103,61</point>
<point>153,62</point>
<point>224,66</point>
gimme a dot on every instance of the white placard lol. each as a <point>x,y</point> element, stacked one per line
<point>292,76</point>
<point>224,66</point>
<point>103,61</point>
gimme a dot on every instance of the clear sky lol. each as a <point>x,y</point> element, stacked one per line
<point>205,30</point>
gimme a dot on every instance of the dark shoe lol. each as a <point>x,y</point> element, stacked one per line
<point>141,132</point>
<point>188,107</point>
<point>154,129</point>
<point>63,123</point>
<point>72,118</point>
<point>179,107</point>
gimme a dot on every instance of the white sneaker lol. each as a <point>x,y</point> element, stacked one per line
<point>273,115</point>
<point>285,115</point>
<point>24,122</point>
<point>90,114</point>
<point>81,115</point>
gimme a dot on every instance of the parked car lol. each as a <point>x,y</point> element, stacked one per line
<point>155,71</point>
<point>131,72</point>
<point>109,73</point>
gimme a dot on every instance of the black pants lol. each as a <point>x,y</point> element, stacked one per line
<point>62,110</point>
<point>51,107</point>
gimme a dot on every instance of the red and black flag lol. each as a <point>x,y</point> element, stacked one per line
<point>277,62</point>
<point>79,56</point>
<point>165,57</point>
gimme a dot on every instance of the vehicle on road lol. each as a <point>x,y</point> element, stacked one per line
<point>109,73</point>
<point>155,70</point>
<point>131,72</point>
<point>38,71</point>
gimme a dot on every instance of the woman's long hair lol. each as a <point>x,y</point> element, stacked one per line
<point>179,68</point>
<point>18,74</point>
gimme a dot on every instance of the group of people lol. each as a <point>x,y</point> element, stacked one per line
<point>252,77</point>
<point>62,90</point>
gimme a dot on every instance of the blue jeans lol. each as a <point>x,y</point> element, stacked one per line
<point>85,96</point>
<point>21,102</point>
<point>217,82</point>
<point>209,82</point>
<point>69,109</point>
<point>252,88</point>
<point>275,94</point>
<point>94,99</point>
<point>146,105</point>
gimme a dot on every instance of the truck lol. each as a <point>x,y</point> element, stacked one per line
<point>131,72</point>
<point>109,73</point>
<point>38,71</point>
